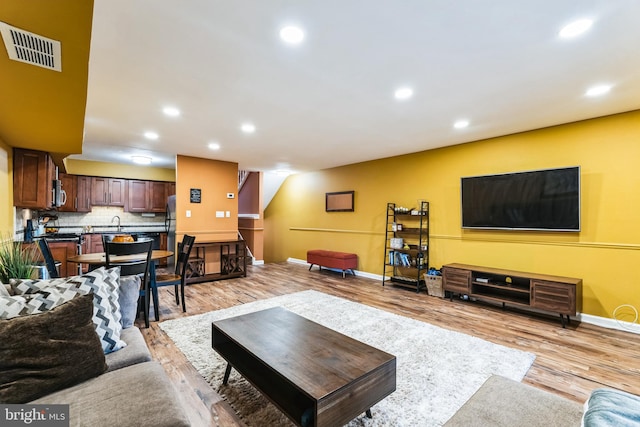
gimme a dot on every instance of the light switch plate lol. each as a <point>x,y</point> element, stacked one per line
<point>188,214</point>
<point>230,195</point>
<point>219,214</point>
<point>227,214</point>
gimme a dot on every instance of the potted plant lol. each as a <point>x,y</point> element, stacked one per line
<point>17,260</point>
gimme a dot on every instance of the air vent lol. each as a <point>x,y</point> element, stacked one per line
<point>31,48</point>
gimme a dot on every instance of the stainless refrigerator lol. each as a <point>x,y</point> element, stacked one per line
<point>170,226</point>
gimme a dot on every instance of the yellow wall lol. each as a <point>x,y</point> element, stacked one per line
<point>604,254</point>
<point>92,168</point>
<point>6,189</point>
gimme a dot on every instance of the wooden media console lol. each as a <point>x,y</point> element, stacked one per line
<point>543,292</point>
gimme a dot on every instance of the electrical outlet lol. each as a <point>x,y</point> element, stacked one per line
<point>227,214</point>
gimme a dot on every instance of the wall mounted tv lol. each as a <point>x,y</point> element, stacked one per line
<point>547,200</point>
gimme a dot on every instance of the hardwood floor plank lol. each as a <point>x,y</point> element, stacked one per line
<point>570,362</point>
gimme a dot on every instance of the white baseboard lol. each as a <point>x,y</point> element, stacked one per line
<point>581,317</point>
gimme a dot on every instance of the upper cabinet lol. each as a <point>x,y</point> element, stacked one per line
<point>83,194</point>
<point>33,174</point>
<point>108,191</point>
<point>148,196</point>
<point>69,186</point>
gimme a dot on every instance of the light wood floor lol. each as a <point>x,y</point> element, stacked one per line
<point>569,362</point>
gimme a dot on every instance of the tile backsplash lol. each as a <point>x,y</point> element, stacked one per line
<point>101,218</point>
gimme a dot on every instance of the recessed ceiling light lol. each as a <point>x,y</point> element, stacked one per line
<point>461,124</point>
<point>292,35</point>
<point>214,146</point>
<point>171,111</point>
<point>248,128</point>
<point>598,90</point>
<point>151,135</point>
<point>403,93</point>
<point>575,28</point>
<point>141,160</point>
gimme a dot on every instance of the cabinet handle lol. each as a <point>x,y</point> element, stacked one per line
<point>75,203</point>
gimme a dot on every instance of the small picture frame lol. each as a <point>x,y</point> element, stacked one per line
<point>195,195</point>
<point>340,201</point>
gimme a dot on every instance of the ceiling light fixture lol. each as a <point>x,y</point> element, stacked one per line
<point>171,111</point>
<point>151,135</point>
<point>248,128</point>
<point>598,90</point>
<point>141,160</point>
<point>292,35</point>
<point>403,93</point>
<point>461,124</point>
<point>214,146</point>
<point>575,28</point>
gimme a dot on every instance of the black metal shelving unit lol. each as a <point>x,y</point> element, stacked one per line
<point>406,253</point>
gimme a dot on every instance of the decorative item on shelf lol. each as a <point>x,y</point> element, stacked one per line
<point>406,246</point>
<point>396,243</point>
<point>399,227</point>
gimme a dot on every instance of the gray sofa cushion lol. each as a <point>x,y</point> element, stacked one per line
<point>501,402</point>
<point>136,350</point>
<point>138,395</point>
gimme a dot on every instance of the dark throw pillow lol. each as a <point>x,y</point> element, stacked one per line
<point>46,352</point>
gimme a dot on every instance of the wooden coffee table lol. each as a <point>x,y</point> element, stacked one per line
<point>316,376</point>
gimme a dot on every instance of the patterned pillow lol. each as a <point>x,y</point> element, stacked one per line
<point>102,282</point>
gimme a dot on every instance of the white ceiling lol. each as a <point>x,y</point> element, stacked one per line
<point>329,101</point>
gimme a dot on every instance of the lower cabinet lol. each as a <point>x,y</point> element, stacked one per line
<point>558,294</point>
<point>61,251</point>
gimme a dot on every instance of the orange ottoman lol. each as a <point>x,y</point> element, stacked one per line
<point>331,259</point>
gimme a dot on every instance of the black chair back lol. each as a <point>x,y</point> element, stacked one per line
<point>138,265</point>
<point>184,251</point>
<point>48,258</point>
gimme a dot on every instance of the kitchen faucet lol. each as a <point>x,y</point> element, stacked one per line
<point>118,218</point>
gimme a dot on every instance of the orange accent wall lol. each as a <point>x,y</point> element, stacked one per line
<point>215,179</point>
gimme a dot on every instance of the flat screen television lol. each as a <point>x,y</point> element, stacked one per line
<point>547,200</point>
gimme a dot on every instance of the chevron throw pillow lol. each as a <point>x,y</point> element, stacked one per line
<point>102,282</point>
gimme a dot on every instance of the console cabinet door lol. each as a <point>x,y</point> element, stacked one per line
<point>551,296</point>
<point>456,280</point>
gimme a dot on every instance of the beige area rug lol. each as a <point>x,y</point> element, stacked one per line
<point>437,369</point>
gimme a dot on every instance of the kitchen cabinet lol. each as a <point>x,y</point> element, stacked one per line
<point>69,186</point>
<point>147,196</point>
<point>60,252</point>
<point>138,196</point>
<point>33,173</point>
<point>94,243</point>
<point>171,189</point>
<point>83,193</point>
<point>158,193</point>
<point>108,191</point>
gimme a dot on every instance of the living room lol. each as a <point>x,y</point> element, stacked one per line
<point>601,253</point>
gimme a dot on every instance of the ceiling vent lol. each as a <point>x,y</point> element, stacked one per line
<point>31,48</point>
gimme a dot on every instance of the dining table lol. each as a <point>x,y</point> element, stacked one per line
<point>98,259</point>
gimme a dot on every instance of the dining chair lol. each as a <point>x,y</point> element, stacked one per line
<point>178,277</point>
<point>50,263</point>
<point>138,264</point>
